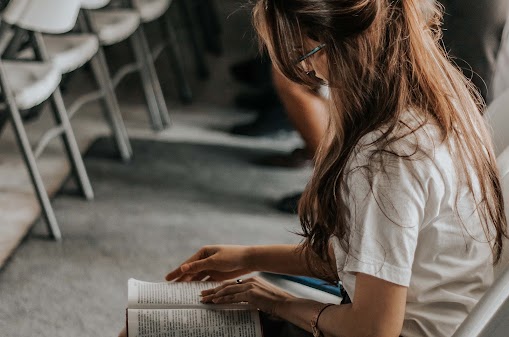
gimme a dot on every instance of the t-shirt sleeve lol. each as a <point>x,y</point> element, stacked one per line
<point>385,198</point>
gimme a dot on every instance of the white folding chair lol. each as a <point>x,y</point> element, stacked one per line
<point>490,317</point>
<point>70,52</point>
<point>115,25</point>
<point>26,84</point>
<point>498,118</point>
<point>503,165</point>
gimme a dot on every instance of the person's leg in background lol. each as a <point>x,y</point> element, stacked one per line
<point>259,96</point>
<point>306,109</point>
<point>307,112</point>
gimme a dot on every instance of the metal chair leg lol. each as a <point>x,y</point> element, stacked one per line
<point>191,23</point>
<point>35,176</point>
<point>156,85</point>
<point>61,117</point>
<point>71,146</point>
<point>183,86</point>
<point>147,81</point>
<point>112,111</point>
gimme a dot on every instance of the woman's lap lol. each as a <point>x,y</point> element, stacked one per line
<point>278,328</point>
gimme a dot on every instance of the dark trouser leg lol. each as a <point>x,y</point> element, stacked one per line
<point>278,328</point>
<point>472,33</point>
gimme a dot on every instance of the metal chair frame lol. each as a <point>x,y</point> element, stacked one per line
<point>62,128</point>
<point>144,64</point>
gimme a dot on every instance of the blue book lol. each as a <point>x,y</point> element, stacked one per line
<point>312,283</point>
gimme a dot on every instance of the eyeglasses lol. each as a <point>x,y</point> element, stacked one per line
<point>311,53</point>
<point>305,66</point>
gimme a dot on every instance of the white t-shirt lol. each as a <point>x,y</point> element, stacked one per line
<point>405,230</point>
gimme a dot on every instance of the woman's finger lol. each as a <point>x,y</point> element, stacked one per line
<point>191,268</point>
<point>235,287</point>
<point>218,288</point>
<point>228,290</point>
<point>200,276</point>
<point>123,333</point>
<point>234,298</point>
<point>183,278</point>
<point>201,254</point>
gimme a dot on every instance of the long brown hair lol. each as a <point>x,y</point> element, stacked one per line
<point>384,57</point>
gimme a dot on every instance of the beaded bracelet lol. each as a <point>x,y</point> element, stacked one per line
<point>314,320</point>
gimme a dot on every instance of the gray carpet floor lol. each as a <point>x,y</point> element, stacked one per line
<point>147,217</point>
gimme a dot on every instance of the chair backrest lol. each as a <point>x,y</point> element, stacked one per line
<point>501,77</point>
<point>490,317</point>
<point>498,117</point>
<point>94,4</point>
<point>503,164</point>
<point>46,16</point>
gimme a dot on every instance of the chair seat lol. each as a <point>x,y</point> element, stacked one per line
<point>94,4</point>
<point>498,119</point>
<point>68,52</point>
<point>114,25</point>
<point>48,16</point>
<point>151,10</point>
<point>31,82</point>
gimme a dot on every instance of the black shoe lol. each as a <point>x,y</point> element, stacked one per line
<point>298,158</point>
<point>255,71</point>
<point>262,100</point>
<point>289,204</point>
<point>267,124</point>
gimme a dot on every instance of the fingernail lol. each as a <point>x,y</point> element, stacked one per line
<point>184,268</point>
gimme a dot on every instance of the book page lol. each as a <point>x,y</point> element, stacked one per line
<point>167,295</point>
<point>193,323</point>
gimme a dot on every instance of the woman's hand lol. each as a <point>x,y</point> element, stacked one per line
<point>123,333</point>
<point>219,263</point>
<point>254,291</point>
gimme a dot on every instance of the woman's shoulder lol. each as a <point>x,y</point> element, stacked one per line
<point>415,138</point>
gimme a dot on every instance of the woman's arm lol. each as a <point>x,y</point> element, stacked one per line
<point>378,309</point>
<point>281,259</point>
<point>227,262</point>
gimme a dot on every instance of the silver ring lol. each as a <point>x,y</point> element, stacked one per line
<point>239,281</point>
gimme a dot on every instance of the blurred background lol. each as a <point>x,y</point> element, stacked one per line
<point>135,132</point>
<point>187,182</point>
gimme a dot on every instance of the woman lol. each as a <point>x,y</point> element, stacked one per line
<point>473,34</point>
<point>404,206</point>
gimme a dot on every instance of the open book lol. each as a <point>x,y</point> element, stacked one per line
<point>174,310</point>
